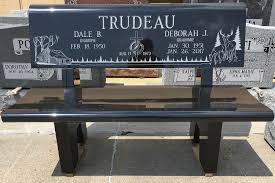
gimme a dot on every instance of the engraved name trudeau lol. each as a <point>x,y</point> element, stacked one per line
<point>137,22</point>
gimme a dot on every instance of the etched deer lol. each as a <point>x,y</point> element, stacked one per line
<point>230,46</point>
<point>225,50</point>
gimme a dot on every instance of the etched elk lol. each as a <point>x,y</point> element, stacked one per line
<point>230,47</point>
<point>217,54</point>
<point>225,49</point>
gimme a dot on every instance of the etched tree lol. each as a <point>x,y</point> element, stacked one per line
<point>52,40</point>
<point>237,39</point>
<point>42,43</point>
<point>218,41</point>
<point>35,42</point>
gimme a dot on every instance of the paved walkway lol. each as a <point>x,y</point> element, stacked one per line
<point>134,158</point>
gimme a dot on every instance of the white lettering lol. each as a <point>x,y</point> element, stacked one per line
<point>181,33</point>
<point>113,21</point>
<point>159,23</point>
<point>147,22</point>
<point>167,21</point>
<point>127,24</point>
<point>137,22</point>
<point>135,18</point>
<point>103,20</point>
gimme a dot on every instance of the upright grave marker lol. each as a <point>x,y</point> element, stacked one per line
<point>259,60</point>
<point>179,76</point>
<point>258,11</point>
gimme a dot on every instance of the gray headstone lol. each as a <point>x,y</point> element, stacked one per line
<point>15,60</point>
<point>272,19</point>
<point>258,11</point>
<point>19,13</point>
<point>182,76</point>
<point>14,20</point>
<point>259,60</point>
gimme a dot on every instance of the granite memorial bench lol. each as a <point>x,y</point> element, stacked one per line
<point>103,36</point>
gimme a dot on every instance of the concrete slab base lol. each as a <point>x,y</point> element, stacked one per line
<point>136,157</point>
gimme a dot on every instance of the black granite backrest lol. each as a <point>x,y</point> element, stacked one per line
<point>164,35</point>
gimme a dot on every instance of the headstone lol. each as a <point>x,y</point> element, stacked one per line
<point>272,19</point>
<point>179,76</point>
<point>259,60</point>
<point>14,20</point>
<point>258,11</point>
<point>15,61</point>
<point>147,37</point>
<point>19,13</point>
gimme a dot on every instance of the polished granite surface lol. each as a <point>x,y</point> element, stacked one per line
<point>123,103</point>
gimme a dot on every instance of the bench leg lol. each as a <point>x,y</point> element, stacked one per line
<point>195,132</point>
<point>210,147</point>
<point>82,133</point>
<point>66,136</point>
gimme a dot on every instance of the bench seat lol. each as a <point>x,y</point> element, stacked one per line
<point>139,103</point>
<point>205,107</point>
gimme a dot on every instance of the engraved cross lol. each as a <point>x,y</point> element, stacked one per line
<point>269,48</point>
<point>136,38</point>
<point>136,45</point>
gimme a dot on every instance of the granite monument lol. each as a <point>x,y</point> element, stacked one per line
<point>259,60</point>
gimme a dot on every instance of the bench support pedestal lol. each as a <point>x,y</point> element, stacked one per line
<point>206,133</point>
<point>66,136</point>
<point>209,144</point>
<point>70,135</point>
